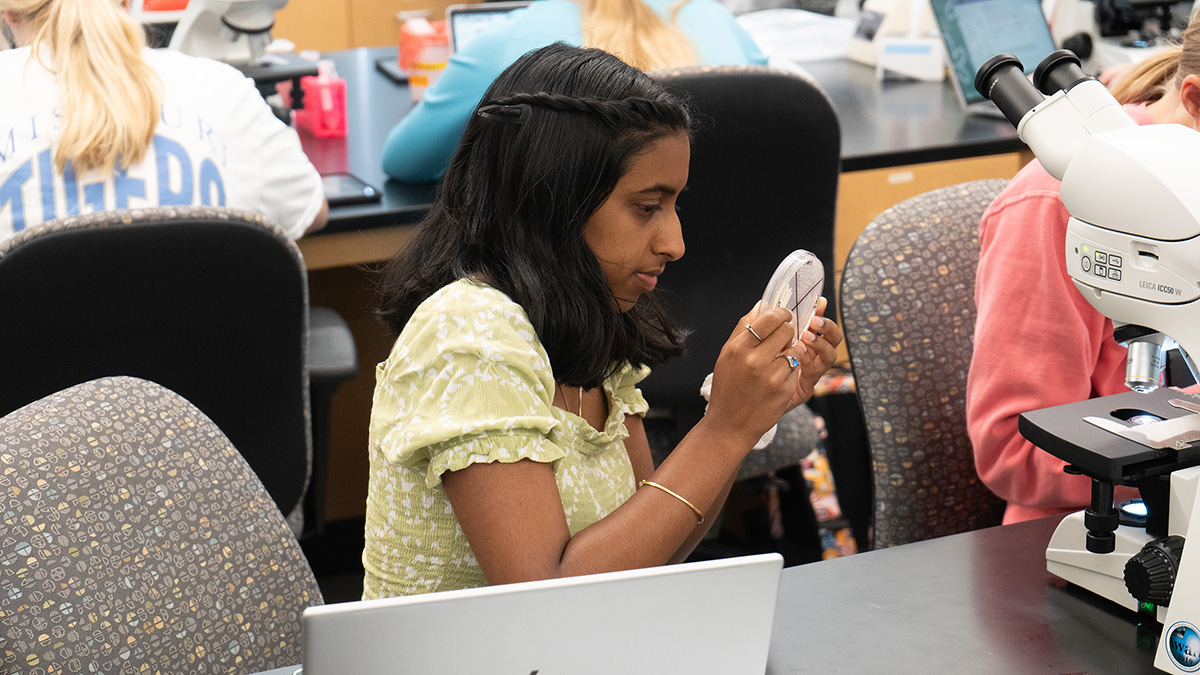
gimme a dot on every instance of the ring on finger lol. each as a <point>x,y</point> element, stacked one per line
<point>792,361</point>
<point>754,333</point>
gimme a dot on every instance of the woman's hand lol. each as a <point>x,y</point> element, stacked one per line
<point>755,382</point>
<point>820,343</point>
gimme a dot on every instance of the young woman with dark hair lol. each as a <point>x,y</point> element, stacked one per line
<point>506,435</point>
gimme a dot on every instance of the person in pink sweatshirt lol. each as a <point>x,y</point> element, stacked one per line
<point>1038,343</point>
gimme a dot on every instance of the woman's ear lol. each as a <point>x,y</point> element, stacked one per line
<point>1189,97</point>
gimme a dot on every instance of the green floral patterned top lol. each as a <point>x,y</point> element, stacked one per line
<point>468,381</point>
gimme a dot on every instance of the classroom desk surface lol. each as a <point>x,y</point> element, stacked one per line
<point>896,123</point>
<point>980,602</point>
<point>883,124</point>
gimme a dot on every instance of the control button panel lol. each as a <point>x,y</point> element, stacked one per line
<point>1103,264</point>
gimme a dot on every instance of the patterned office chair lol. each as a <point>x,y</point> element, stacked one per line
<point>908,310</point>
<point>210,302</point>
<point>136,539</point>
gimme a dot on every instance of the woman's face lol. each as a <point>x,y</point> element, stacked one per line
<point>636,231</point>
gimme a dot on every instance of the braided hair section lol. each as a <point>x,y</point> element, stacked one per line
<point>636,112</point>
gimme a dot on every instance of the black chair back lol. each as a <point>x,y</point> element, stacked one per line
<point>763,183</point>
<point>210,303</point>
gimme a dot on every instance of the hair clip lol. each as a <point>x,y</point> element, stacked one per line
<point>517,113</point>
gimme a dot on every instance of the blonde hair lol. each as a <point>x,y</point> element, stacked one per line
<point>636,34</point>
<point>109,97</point>
<point>1155,75</point>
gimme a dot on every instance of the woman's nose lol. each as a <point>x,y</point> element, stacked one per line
<point>670,239</point>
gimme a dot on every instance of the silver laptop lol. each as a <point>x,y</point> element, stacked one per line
<point>703,617</point>
<point>976,30</point>
<point>466,21</point>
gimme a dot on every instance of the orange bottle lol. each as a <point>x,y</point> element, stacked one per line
<point>423,53</point>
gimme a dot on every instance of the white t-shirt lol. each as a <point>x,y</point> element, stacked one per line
<point>217,144</point>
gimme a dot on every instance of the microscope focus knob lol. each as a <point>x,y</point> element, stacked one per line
<point>1150,574</point>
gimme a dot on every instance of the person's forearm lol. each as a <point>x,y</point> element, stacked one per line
<point>653,527</point>
<point>320,220</point>
<point>710,517</point>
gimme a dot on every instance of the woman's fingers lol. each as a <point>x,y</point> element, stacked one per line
<point>823,336</point>
<point>771,329</point>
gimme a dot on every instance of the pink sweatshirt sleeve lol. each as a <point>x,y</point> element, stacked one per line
<point>1038,343</point>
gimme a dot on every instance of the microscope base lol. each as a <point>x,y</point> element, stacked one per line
<point>1100,573</point>
<point>1178,649</point>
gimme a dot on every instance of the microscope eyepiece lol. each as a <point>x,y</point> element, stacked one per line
<point>1002,80</point>
<point>1059,70</point>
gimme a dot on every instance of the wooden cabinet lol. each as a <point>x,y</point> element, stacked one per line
<point>328,25</point>
<point>862,195</point>
<point>323,25</point>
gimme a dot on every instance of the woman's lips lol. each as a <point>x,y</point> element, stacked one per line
<point>648,280</point>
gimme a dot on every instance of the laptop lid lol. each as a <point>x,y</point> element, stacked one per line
<point>974,31</point>
<point>703,617</point>
<point>466,21</point>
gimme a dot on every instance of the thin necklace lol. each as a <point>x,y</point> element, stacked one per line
<point>563,392</point>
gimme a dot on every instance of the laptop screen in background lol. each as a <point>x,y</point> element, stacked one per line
<point>976,30</point>
<point>468,21</point>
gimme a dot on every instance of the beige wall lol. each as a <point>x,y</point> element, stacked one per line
<point>328,25</point>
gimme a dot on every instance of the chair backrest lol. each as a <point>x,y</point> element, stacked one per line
<point>209,302</point>
<point>136,539</point>
<point>908,311</point>
<point>762,183</point>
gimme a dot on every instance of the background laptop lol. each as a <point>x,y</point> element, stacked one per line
<point>976,30</point>
<point>704,617</point>
<point>467,21</point>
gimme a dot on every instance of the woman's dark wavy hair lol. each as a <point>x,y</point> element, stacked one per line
<point>546,147</point>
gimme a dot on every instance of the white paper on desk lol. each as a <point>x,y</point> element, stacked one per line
<point>798,34</point>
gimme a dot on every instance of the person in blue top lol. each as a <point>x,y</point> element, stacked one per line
<point>648,34</point>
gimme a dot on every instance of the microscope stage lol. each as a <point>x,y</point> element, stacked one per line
<point>1064,432</point>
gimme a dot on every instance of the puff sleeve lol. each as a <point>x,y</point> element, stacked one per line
<point>467,382</point>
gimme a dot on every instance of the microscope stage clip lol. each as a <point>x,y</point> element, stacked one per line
<point>1177,433</point>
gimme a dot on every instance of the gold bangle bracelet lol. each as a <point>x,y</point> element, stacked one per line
<point>676,495</point>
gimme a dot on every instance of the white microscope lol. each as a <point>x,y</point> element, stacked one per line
<point>238,32</point>
<point>235,31</point>
<point>1133,250</point>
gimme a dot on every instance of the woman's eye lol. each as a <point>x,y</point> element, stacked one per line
<point>649,209</point>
